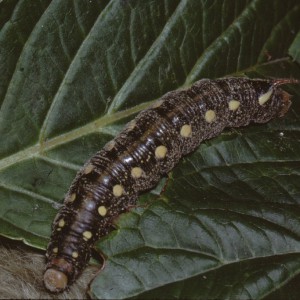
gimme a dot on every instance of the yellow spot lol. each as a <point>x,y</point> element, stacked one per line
<point>110,145</point>
<point>265,97</point>
<point>61,223</point>
<point>58,229</point>
<point>71,198</point>
<point>75,254</point>
<point>131,125</point>
<point>87,235</point>
<point>234,105</point>
<point>157,103</point>
<point>88,169</point>
<point>210,116</point>
<point>186,131</point>
<point>55,250</point>
<point>118,190</point>
<point>102,211</point>
<point>136,172</point>
<point>161,151</point>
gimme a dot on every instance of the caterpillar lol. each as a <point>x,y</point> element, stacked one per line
<point>145,151</point>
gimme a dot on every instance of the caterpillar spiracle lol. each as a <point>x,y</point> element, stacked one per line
<point>145,151</point>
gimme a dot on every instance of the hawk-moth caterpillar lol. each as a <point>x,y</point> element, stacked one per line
<point>146,150</point>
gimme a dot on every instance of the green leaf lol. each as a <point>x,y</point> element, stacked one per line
<point>74,72</point>
<point>294,50</point>
<point>246,280</point>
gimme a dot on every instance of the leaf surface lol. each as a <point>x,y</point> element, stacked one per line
<point>226,225</point>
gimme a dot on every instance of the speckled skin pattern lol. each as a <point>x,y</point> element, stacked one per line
<point>145,151</point>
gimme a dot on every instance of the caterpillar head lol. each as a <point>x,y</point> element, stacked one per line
<point>55,281</point>
<point>57,274</point>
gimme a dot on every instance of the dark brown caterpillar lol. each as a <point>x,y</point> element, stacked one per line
<point>148,148</point>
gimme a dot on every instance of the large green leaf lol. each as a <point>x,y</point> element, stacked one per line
<point>73,72</point>
<point>294,50</point>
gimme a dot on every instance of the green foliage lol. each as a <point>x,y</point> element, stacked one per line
<point>74,72</point>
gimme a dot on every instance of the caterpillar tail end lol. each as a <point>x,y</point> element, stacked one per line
<point>55,281</point>
<point>286,97</point>
<point>286,103</point>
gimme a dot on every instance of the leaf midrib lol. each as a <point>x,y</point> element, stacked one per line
<point>42,147</point>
